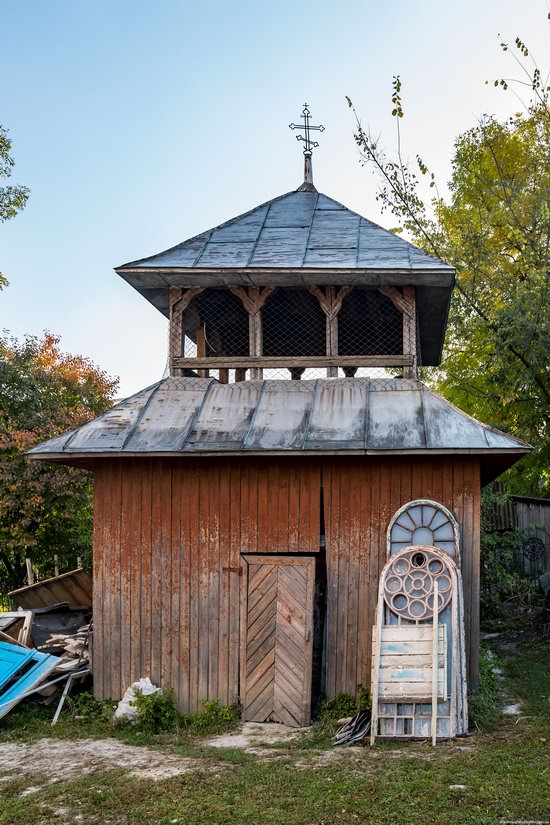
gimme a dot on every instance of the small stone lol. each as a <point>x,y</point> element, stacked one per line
<point>458,787</point>
<point>512,710</point>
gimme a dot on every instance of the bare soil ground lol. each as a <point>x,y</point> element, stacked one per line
<point>60,760</point>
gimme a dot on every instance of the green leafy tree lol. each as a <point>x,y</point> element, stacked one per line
<point>12,198</point>
<point>44,508</point>
<point>493,226</point>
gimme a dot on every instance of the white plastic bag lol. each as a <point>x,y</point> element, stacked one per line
<point>125,710</point>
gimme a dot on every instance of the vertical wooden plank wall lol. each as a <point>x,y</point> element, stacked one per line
<point>360,497</point>
<point>168,538</point>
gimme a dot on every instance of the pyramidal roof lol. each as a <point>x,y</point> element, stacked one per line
<point>302,229</point>
<point>358,416</point>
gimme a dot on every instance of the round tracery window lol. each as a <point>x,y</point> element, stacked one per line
<point>424,523</point>
<point>409,583</point>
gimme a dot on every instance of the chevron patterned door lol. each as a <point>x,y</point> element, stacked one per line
<point>279,635</point>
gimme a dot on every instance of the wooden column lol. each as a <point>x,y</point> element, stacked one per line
<point>406,303</point>
<point>201,349</point>
<point>179,301</point>
<point>253,299</point>
<point>331,304</point>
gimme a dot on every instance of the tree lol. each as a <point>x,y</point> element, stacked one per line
<point>12,198</point>
<point>494,228</point>
<point>44,509</point>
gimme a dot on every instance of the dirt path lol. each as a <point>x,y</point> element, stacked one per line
<point>59,760</point>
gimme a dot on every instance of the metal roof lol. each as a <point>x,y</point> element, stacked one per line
<point>181,416</point>
<point>302,238</point>
<point>298,230</point>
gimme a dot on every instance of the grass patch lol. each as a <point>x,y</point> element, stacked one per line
<point>503,781</point>
<point>505,770</point>
<point>485,707</point>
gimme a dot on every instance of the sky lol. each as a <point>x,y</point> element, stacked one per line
<point>138,124</point>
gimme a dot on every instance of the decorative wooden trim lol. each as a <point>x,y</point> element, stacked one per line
<point>331,303</point>
<point>258,362</point>
<point>179,300</point>
<point>253,299</point>
<point>406,304</point>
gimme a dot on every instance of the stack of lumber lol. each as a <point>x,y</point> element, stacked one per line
<point>72,648</point>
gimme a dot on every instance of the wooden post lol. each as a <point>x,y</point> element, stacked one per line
<point>406,304</point>
<point>409,331</point>
<point>201,349</point>
<point>331,304</point>
<point>253,299</point>
<point>78,561</point>
<point>30,572</point>
<point>435,663</point>
<point>56,564</point>
<point>179,301</point>
<point>240,374</point>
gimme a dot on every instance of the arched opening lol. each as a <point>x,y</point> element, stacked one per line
<point>425,523</point>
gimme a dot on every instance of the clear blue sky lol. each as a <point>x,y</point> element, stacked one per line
<point>137,124</point>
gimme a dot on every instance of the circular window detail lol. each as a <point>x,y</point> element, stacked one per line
<point>409,585</point>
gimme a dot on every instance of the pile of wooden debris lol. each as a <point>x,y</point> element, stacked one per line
<point>72,648</point>
<point>45,645</point>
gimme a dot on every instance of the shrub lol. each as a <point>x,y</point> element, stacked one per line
<point>212,718</point>
<point>344,705</point>
<point>156,711</point>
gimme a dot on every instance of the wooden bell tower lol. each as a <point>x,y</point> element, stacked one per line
<point>298,287</point>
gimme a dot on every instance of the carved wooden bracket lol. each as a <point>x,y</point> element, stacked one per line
<point>254,299</point>
<point>406,303</point>
<point>181,298</point>
<point>330,300</point>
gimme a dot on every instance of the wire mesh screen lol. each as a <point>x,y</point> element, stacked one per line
<point>369,324</point>
<point>293,324</point>
<point>239,333</point>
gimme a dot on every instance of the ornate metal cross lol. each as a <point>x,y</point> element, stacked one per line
<point>307,128</point>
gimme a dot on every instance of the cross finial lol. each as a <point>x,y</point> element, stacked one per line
<point>309,144</point>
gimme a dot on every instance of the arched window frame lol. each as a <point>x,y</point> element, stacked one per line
<point>428,503</point>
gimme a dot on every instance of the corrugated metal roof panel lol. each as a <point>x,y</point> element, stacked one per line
<point>167,418</point>
<point>223,426</point>
<point>339,416</point>
<point>189,415</point>
<point>395,418</point>
<point>110,430</point>
<point>281,416</point>
<point>449,427</point>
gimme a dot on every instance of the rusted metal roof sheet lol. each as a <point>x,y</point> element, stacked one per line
<point>179,416</point>
<point>298,230</point>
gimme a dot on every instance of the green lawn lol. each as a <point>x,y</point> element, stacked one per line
<point>506,773</point>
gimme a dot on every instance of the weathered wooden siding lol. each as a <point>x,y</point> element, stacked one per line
<point>168,537</point>
<point>360,498</point>
<point>534,516</point>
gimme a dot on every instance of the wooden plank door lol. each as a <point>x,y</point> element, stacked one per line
<point>278,639</point>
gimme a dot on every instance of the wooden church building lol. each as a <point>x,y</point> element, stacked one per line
<point>246,504</point>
